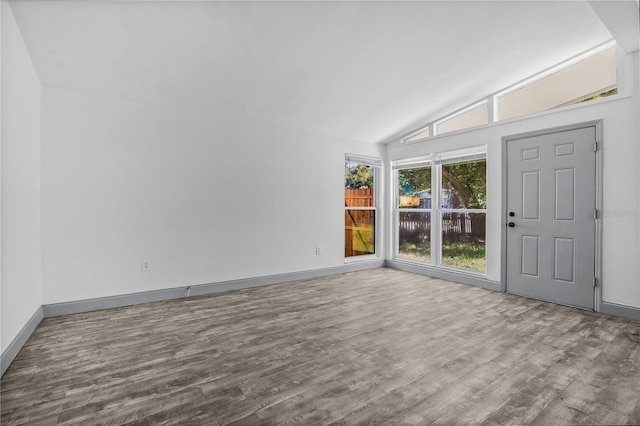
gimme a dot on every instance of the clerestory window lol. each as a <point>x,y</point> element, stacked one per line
<point>590,78</point>
<point>587,77</point>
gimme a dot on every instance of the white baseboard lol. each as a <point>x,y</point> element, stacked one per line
<point>445,275</point>
<point>65,308</point>
<point>86,305</point>
<point>620,310</point>
<point>10,353</point>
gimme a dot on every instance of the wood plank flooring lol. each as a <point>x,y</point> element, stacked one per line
<point>373,347</point>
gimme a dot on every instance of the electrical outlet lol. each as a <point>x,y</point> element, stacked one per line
<point>317,250</point>
<point>146,265</point>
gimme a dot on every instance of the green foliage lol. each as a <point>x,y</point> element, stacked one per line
<point>411,181</point>
<point>601,95</point>
<point>358,176</point>
<point>467,255</point>
<point>415,251</point>
<point>465,184</point>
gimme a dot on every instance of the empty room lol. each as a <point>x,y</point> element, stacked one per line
<point>314,213</point>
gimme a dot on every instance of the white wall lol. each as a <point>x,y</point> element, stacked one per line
<point>205,197</point>
<point>208,198</point>
<point>21,254</point>
<point>621,249</point>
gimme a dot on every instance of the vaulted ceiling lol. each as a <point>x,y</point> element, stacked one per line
<point>362,70</point>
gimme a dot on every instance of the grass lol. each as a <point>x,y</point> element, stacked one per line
<point>467,255</point>
<point>416,252</point>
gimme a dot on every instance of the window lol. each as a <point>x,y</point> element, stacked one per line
<point>476,115</point>
<point>413,214</point>
<point>440,209</point>
<point>360,205</point>
<point>589,76</point>
<point>588,79</point>
<point>422,133</point>
<point>463,198</point>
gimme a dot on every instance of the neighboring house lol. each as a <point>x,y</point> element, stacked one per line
<point>425,199</point>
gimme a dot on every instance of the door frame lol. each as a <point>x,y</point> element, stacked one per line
<point>597,124</point>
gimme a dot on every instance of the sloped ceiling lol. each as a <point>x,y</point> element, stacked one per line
<point>361,70</point>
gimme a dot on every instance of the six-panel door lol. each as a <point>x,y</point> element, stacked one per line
<point>550,216</point>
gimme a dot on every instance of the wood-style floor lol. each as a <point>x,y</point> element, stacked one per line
<point>371,347</point>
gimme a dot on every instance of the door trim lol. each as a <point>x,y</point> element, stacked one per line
<point>597,124</point>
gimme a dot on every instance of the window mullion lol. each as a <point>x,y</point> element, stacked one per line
<point>396,237</point>
<point>376,216</point>
<point>492,110</point>
<point>396,215</point>
<point>436,219</point>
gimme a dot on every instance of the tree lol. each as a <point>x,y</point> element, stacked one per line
<point>358,176</point>
<point>465,187</point>
<point>411,181</point>
<point>465,184</point>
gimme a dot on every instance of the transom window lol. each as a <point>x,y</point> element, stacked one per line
<point>588,79</point>
<point>589,76</point>
<point>475,115</point>
<point>418,135</point>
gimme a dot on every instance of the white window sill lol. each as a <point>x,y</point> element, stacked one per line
<point>363,258</point>
<point>449,269</point>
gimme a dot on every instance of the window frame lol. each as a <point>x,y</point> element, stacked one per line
<point>436,161</point>
<point>443,210</point>
<point>549,72</point>
<point>376,165</point>
<point>415,163</point>
<point>437,124</point>
<point>428,128</point>
<point>492,100</point>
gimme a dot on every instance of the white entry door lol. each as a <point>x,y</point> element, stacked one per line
<point>551,201</point>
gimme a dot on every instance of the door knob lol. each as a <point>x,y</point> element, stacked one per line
<point>512,214</point>
<point>511,224</point>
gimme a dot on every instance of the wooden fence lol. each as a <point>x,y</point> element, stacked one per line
<point>359,230</point>
<point>358,197</point>
<point>415,227</point>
